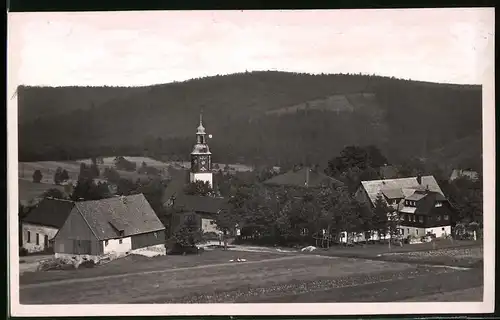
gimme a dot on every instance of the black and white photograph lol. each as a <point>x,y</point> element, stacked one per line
<point>251,162</point>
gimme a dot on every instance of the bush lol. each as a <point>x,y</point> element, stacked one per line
<point>56,264</point>
<point>23,252</point>
<point>177,249</point>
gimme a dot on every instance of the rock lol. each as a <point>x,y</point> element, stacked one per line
<point>308,249</point>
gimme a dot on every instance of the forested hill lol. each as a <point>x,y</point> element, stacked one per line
<point>257,117</point>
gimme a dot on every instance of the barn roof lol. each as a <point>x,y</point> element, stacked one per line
<point>304,177</point>
<point>50,212</point>
<point>408,186</point>
<point>108,217</point>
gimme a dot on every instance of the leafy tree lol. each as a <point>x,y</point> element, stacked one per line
<point>380,212</point>
<point>57,176</point>
<point>200,188</point>
<point>64,175</point>
<point>126,187</point>
<point>466,197</point>
<point>54,193</point>
<point>355,160</point>
<point>145,169</point>
<point>188,233</point>
<point>87,189</point>
<point>111,175</point>
<point>123,164</point>
<point>37,176</point>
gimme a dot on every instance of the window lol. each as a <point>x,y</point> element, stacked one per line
<point>442,229</point>
<point>438,218</point>
<point>408,230</point>
<point>421,219</point>
<point>37,239</point>
<point>106,243</point>
<point>46,240</point>
<point>402,231</point>
<point>156,235</point>
<point>416,230</point>
<point>445,217</point>
<point>439,204</point>
<point>120,241</point>
<point>29,237</point>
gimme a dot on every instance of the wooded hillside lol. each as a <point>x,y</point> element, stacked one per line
<point>256,118</point>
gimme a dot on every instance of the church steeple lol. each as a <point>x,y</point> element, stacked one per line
<point>201,157</point>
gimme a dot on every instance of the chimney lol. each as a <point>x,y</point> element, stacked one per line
<point>419,179</point>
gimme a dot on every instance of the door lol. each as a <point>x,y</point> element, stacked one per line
<point>81,246</point>
<point>46,241</point>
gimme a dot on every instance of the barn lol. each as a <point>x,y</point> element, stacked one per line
<point>42,223</point>
<point>109,226</point>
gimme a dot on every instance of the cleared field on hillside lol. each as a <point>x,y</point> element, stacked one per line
<point>211,277</point>
<point>48,169</point>
<point>29,190</point>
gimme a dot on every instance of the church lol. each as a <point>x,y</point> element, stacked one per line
<point>205,208</point>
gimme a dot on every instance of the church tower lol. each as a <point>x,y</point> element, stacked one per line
<point>201,157</point>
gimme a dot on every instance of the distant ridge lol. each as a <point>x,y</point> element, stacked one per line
<point>256,117</point>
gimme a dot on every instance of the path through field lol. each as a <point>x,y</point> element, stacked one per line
<point>263,277</point>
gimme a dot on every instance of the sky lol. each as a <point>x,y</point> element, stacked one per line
<point>143,48</point>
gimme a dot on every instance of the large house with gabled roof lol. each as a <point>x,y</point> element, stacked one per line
<point>419,203</point>
<point>109,226</point>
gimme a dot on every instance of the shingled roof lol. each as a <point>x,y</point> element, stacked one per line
<point>50,212</point>
<point>108,217</point>
<point>304,177</point>
<point>408,186</point>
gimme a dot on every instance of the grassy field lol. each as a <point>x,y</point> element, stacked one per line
<point>29,190</point>
<point>263,277</point>
<point>48,168</point>
<point>442,252</point>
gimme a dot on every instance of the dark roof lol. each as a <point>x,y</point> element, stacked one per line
<point>201,204</point>
<point>50,212</point>
<point>301,178</point>
<point>393,193</point>
<point>107,217</point>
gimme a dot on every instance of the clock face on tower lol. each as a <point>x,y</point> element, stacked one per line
<point>203,163</point>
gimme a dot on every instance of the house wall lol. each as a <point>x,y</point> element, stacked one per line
<point>440,231</point>
<point>205,176</point>
<point>76,231</point>
<point>406,230</point>
<point>33,230</point>
<point>208,225</point>
<point>148,239</point>
<point>121,245</point>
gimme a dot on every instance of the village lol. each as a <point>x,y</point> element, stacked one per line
<point>116,218</point>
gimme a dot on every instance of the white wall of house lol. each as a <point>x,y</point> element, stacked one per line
<point>406,231</point>
<point>208,225</point>
<point>439,231</point>
<point>117,245</point>
<point>30,232</point>
<point>358,237</point>
<point>203,176</point>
